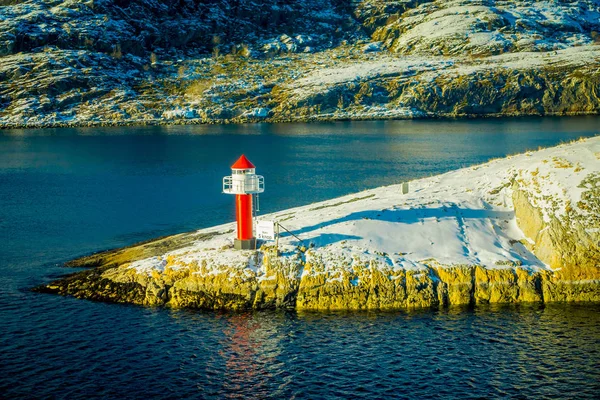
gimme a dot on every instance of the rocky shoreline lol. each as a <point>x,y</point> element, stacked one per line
<point>530,234</point>
<point>307,119</point>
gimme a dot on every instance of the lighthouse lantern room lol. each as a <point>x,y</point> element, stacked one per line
<point>244,183</point>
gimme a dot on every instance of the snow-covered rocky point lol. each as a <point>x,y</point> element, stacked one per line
<point>525,228</point>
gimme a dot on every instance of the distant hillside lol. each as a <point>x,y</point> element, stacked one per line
<point>142,26</point>
<point>148,62</point>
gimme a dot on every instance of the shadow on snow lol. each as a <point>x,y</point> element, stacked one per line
<point>420,215</point>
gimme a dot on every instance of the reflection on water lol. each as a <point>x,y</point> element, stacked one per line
<point>80,349</point>
<point>67,192</point>
<point>525,351</point>
<point>249,350</point>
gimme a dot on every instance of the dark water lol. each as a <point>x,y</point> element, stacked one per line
<point>67,192</point>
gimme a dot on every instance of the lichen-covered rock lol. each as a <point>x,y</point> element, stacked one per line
<point>552,255</point>
<point>571,249</point>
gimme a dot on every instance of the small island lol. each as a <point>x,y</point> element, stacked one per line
<point>525,228</point>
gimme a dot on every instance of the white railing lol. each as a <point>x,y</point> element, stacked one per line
<point>251,184</point>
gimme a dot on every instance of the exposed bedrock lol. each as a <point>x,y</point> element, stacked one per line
<point>109,62</point>
<point>481,92</point>
<point>571,252</point>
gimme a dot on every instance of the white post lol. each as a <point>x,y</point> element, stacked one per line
<point>404,187</point>
<point>277,238</point>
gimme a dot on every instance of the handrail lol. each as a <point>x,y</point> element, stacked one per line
<point>250,185</point>
<point>285,229</point>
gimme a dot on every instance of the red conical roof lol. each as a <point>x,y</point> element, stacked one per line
<point>242,163</point>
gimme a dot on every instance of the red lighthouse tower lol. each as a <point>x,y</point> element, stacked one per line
<point>243,182</point>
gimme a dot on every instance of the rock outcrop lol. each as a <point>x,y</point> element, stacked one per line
<point>570,248</point>
<point>557,260</point>
<point>109,62</point>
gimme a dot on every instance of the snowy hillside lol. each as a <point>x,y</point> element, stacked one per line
<point>490,27</point>
<point>142,62</point>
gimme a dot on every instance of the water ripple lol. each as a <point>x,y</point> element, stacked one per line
<point>63,194</point>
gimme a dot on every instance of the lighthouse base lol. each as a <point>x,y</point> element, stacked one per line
<point>244,244</point>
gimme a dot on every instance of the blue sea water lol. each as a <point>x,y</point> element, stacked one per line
<point>68,192</point>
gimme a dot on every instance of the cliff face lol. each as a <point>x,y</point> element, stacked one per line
<point>557,257</point>
<point>113,62</point>
<point>572,249</point>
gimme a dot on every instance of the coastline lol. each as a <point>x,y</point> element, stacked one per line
<point>278,120</point>
<point>507,236</point>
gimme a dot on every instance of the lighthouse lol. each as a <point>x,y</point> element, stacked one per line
<point>244,183</point>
